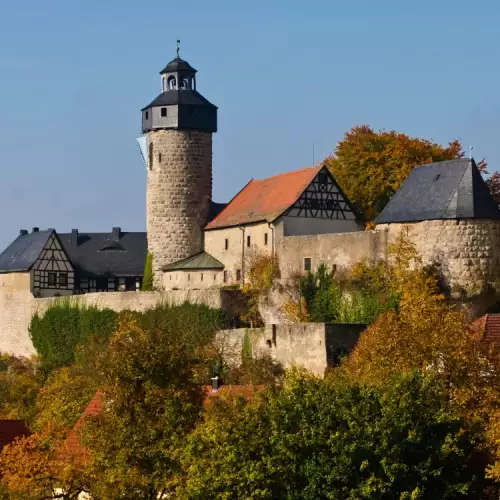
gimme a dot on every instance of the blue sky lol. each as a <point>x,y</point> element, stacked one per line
<point>74,75</point>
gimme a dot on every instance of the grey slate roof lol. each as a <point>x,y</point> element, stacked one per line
<point>23,252</point>
<point>100,254</point>
<point>198,262</point>
<point>174,97</point>
<point>177,64</point>
<point>445,190</point>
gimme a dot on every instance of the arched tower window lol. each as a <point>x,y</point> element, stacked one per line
<point>186,84</point>
<point>172,83</point>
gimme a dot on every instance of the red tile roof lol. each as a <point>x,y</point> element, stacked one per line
<point>73,444</point>
<point>10,430</point>
<point>264,200</point>
<point>490,323</point>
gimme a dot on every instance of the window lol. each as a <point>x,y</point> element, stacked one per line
<point>52,279</point>
<point>189,277</point>
<point>63,279</point>
<point>226,244</point>
<point>159,157</point>
<point>146,115</point>
<point>265,238</point>
<point>201,277</point>
<point>163,112</point>
<point>238,274</point>
<point>225,277</point>
<point>248,240</point>
<point>172,84</point>
<point>307,263</point>
<point>215,277</point>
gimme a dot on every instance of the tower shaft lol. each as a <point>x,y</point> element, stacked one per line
<point>179,192</point>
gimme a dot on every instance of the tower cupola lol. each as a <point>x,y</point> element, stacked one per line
<point>180,105</point>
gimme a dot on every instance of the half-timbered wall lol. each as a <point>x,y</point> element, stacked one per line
<point>88,284</point>
<point>322,208</point>
<point>52,274</point>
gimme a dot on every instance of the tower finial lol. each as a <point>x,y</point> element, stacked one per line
<point>178,47</point>
<point>470,152</point>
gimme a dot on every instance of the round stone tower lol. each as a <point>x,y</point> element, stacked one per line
<point>179,125</point>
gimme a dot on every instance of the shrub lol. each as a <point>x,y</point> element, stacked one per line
<point>147,280</point>
<point>57,334</point>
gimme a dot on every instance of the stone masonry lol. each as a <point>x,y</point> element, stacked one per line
<point>467,252</point>
<point>179,193</point>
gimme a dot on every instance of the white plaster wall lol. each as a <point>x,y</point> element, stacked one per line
<point>301,226</point>
<point>194,280</point>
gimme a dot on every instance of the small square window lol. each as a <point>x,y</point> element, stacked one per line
<point>307,263</point>
<point>248,240</point>
<point>63,279</point>
<point>226,244</point>
<point>52,279</point>
<point>265,238</point>
<point>238,274</point>
<point>163,112</point>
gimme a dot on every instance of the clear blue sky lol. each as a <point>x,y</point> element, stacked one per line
<point>74,75</point>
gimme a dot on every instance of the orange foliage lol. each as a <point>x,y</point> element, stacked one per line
<point>370,166</point>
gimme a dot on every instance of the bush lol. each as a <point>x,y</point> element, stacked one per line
<point>57,334</point>
<point>147,280</point>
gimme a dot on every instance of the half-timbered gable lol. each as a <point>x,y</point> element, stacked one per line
<point>52,270</point>
<point>323,199</point>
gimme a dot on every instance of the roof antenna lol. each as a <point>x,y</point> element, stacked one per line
<point>177,48</point>
<point>470,152</point>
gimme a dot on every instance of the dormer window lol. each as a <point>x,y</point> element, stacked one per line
<point>172,83</point>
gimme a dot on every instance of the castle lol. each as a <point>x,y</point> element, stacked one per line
<point>198,246</point>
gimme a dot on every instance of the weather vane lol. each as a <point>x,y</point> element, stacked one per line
<point>178,47</point>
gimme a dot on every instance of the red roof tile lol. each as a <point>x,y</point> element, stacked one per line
<point>73,444</point>
<point>10,430</point>
<point>491,325</point>
<point>264,200</point>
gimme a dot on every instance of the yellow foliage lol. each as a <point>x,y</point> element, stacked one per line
<point>296,311</point>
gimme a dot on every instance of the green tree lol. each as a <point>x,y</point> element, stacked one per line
<point>153,399</point>
<point>313,441</point>
<point>371,165</point>
<point>147,280</point>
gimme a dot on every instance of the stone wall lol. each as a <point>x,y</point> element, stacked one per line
<point>342,250</point>
<point>179,193</point>
<point>315,346</point>
<point>18,307</point>
<point>467,252</point>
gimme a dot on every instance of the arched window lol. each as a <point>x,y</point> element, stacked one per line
<point>172,84</point>
<point>185,84</point>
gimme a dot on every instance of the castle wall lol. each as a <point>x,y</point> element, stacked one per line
<point>315,346</point>
<point>194,280</point>
<point>237,253</point>
<point>467,251</point>
<point>342,250</point>
<point>17,307</point>
<point>179,191</point>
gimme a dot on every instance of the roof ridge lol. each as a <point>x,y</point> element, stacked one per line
<point>289,172</point>
<point>442,161</point>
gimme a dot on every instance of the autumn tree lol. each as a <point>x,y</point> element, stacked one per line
<point>371,165</point>
<point>39,467</point>
<point>312,441</point>
<point>153,397</point>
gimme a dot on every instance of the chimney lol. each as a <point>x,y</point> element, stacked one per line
<point>23,232</point>
<point>74,238</point>
<point>216,383</point>
<point>115,233</point>
<point>35,230</point>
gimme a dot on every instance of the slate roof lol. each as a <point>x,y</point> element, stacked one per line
<point>10,430</point>
<point>174,97</point>
<point>177,64</point>
<point>202,260</point>
<point>445,190</point>
<point>23,252</point>
<point>266,199</point>
<point>100,254</point>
